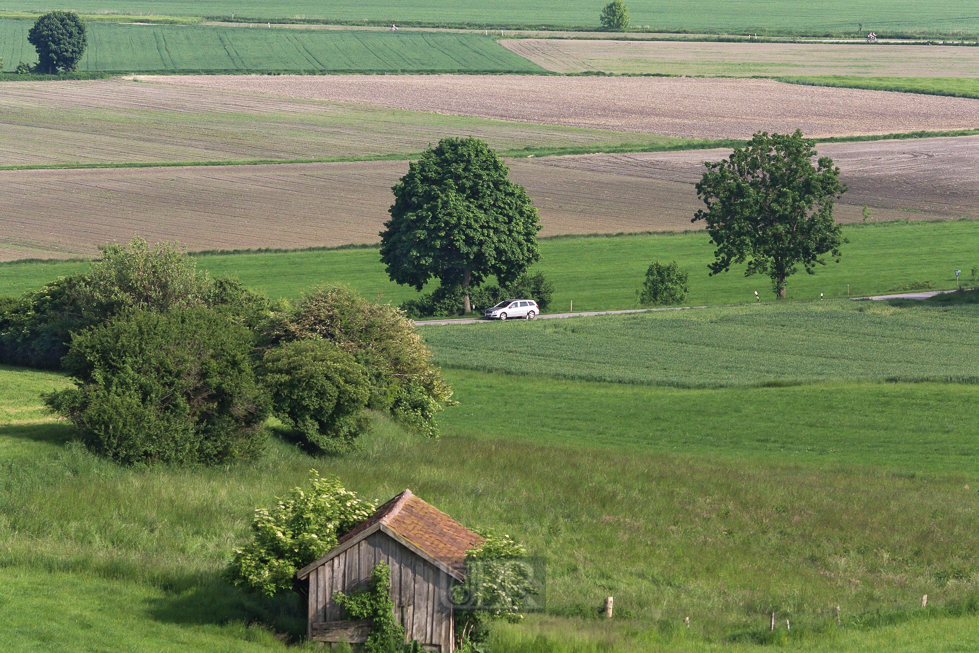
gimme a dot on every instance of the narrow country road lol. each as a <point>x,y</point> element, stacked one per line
<point>554,316</point>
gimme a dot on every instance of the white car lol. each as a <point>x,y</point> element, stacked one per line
<point>513,308</point>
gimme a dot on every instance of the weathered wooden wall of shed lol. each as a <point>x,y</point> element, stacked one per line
<point>420,590</point>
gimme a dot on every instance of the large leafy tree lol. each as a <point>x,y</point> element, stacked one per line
<point>59,38</point>
<point>458,218</point>
<point>767,204</point>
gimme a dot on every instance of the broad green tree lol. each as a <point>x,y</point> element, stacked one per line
<point>458,218</point>
<point>615,15</point>
<point>767,204</point>
<point>59,38</point>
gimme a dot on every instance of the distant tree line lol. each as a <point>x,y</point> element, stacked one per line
<point>173,366</point>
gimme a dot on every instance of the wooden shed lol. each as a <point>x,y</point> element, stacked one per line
<point>426,551</point>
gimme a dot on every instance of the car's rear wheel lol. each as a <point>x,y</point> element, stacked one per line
<point>502,316</point>
<point>531,315</point>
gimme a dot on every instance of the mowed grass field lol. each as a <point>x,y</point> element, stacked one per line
<point>779,16</point>
<point>605,273</point>
<point>730,346</point>
<point>750,58</point>
<point>120,48</point>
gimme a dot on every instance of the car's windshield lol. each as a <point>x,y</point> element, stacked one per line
<point>503,304</point>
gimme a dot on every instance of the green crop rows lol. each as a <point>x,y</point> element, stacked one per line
<point>763,344</point>
<point>950,86</point>
<point>194,48</point>
<point>831,16</point>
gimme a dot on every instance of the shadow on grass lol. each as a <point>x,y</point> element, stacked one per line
<point>54,433</point>
<point>209,599</point>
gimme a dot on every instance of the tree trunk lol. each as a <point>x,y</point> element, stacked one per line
<point>780,288</point>
<point>466,304</point>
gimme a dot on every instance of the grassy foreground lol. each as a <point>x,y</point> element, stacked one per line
<point>196,48</point>
<point>722,541</point>
<point>605,273</point>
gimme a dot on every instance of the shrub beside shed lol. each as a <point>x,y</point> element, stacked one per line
<point>426,551</point>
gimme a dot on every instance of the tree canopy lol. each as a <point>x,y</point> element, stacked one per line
<point>767,204</point>
<point>615,15</point>
<point>458,218</point>
<point>60,40</point>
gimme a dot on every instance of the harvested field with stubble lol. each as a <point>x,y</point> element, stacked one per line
<point>681,107</point>
<point>746,58</point>
<point>62,213</point>
<point>122,121</point>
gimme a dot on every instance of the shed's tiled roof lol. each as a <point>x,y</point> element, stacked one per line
<point>423,526</point>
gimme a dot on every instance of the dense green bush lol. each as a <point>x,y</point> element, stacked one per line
<point>174,387</point>
<point>446,300</point>
<point>294,533</point>
<point>374,603</point>
<point>664,285</point>
<point>319,389</point>
<point>36,330</point>
<point>380,338</point>
<point>615,15</point>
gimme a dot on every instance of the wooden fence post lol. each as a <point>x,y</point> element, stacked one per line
<point>608,608</point>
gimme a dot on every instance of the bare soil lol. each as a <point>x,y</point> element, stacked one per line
<point>121,121</point>
<point>693,108</point>
<point>60,213</point>
<point>746,58</point>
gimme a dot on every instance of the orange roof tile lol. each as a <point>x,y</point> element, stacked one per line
<point>426,528</point>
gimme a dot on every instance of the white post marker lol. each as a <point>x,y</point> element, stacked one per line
<point>757,298</point>
<point>957,273</point>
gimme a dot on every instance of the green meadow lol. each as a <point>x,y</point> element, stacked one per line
<point>122,48</point>
<point>718,504</point>
<point>952,86</point>
<point>778,16</point>
<point>605,272</point>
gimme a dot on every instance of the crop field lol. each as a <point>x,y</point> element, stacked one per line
<point>120,121</point>
<point>605,273</point>
<point>64,213</point>
<point>691,108</point>
<point>749,345</point>
<point>782,16</point>
<point>951,86</point>
<point>747,59</point>
<point>198,48</point>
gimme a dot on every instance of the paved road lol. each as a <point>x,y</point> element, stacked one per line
<point>908,295</point>
<point>554,316</point>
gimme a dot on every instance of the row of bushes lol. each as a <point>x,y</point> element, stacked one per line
<point>173,366</point>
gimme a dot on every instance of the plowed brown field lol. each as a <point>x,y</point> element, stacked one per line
<point>693,108</point>
<point>120,121</point>
<point>744,59</point>
<point>54,213</point>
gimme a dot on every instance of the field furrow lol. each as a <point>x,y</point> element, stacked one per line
<point>61,213</point>
<point>680,107</point>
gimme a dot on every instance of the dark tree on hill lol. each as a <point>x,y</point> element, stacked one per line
<point>459,219</point>
<point>767,204</point>
<point>59,38</point>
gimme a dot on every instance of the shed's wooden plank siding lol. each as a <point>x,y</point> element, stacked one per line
<point>419,590</point>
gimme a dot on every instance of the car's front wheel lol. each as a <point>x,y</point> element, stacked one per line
<point>531,315</point>
<point>502,316</point>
